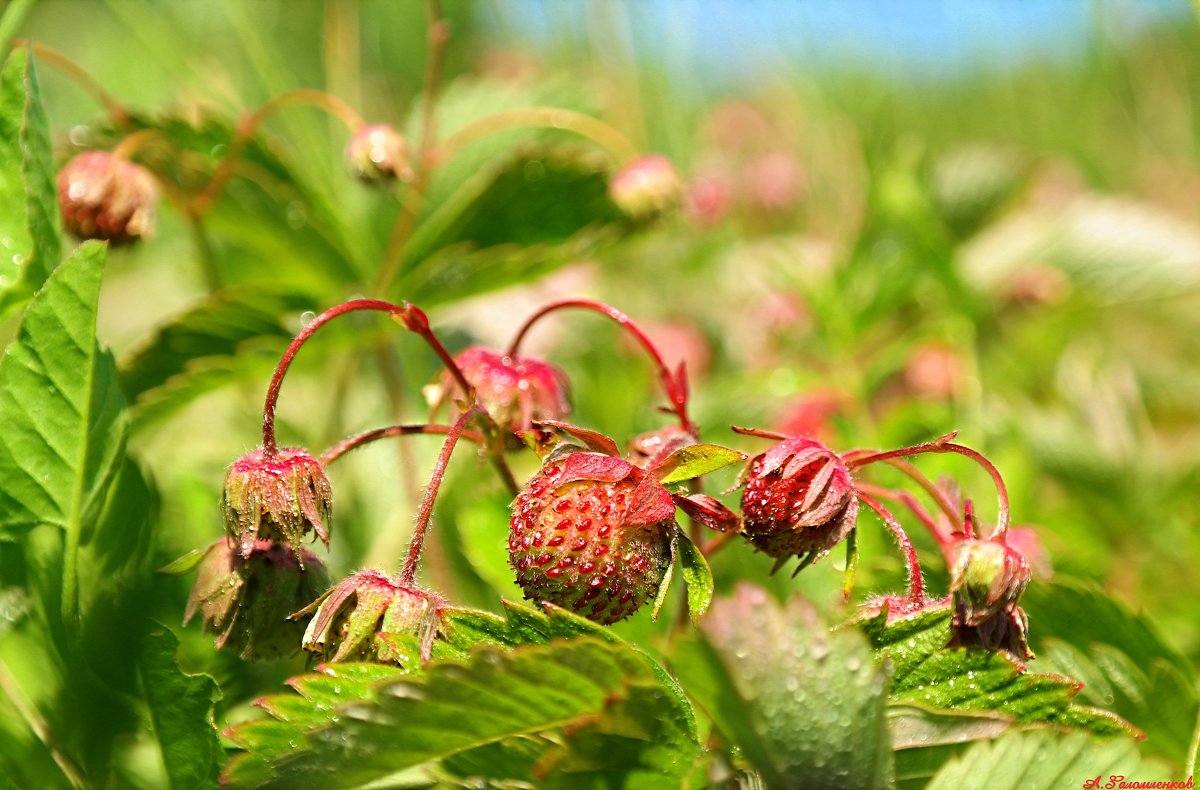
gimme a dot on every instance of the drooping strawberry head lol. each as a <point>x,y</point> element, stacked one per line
<point>592,533</point>
<point>517,390</point>
<point>278,497</point>
<point>102,196</point>
<point>798,499</point>
<point>348,617</point>
<point>246,598</point>
<point>377,154</point>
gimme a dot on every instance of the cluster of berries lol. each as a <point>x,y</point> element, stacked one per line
<point>593,531</point>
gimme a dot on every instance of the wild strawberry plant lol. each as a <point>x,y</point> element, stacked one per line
<point>577,609</point>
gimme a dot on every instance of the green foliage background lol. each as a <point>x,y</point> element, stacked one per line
<point>1039,228</point>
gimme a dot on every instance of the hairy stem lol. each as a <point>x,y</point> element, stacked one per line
<point>409,315</point>
<point>409,572</point>
<point>29,712</point>
<point>943,444</point>
<point>914,506</point>
<point>676,390</point>
<point>916,580</point>
<point>366,437</point>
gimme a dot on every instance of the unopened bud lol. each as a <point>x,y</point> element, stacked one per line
<point>102,196</point>
<point>377,154</point>
<point>278,497</point>
<point>349,616</point>
<point>646,187</point>
<point>247,600</point>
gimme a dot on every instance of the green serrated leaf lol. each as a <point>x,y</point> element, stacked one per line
<point>926,673</point>
<point>1125,664</point>
<point>643,741</point>
<point>30,236</point>
<point>314,705</point>
<point>920,727</point>
<point>181,708</point>
<point>63,414</point>
<point>418,719</point>
<point>695,460</point>
<point>1045,758</point>
<point>696,575</point>
<point>219,326</point>
<point>465,629</point>
<point>806,706</point>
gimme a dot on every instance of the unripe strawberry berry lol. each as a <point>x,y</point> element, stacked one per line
<point>367,603</point>
<point>377,153</point>
<point>278,497</point>
<point>104,197</point>
<point>646,187</point>
<point>516,390</point>
<point>591,533</point>
<point>247,600</point>
<point>798,499</point>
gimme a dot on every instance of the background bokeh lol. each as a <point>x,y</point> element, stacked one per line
<point>900,220</point>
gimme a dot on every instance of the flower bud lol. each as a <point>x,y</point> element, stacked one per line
<point>247,600</point>
<point>104,197</point>
<point>377,154</point>
<point>646,187</point>
<point>279,497</point>
<point>798,499</point>
<point>987,579</point>
<point>516,391</point>
<point>367,603</point>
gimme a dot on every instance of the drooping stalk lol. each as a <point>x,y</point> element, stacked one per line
<point>408,573</point>
<point>366,437</point>
<point>943,444</point>
<point>409,315</point>
<point>676,390</point>
<point>914,506</point>
<point>916,580</point>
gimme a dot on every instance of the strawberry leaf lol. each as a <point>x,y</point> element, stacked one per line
<point>29,216</point>
<point>589,691</point>
<point>926,673</point>
<point>1125,664</point>
<point>224,325</point>
<point>1045,758</point>
<point>806,706</point>
<point>696,574</point>
<point>63,415</point>
<point>181,708</point>
<point>695,460</point>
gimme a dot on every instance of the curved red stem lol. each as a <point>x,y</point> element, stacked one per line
<point>409,572</point>
<point>358,440</point>
<point>943,444</point>
<point>676,390</point>
<point>916,580</point>
<point>410,316</point>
